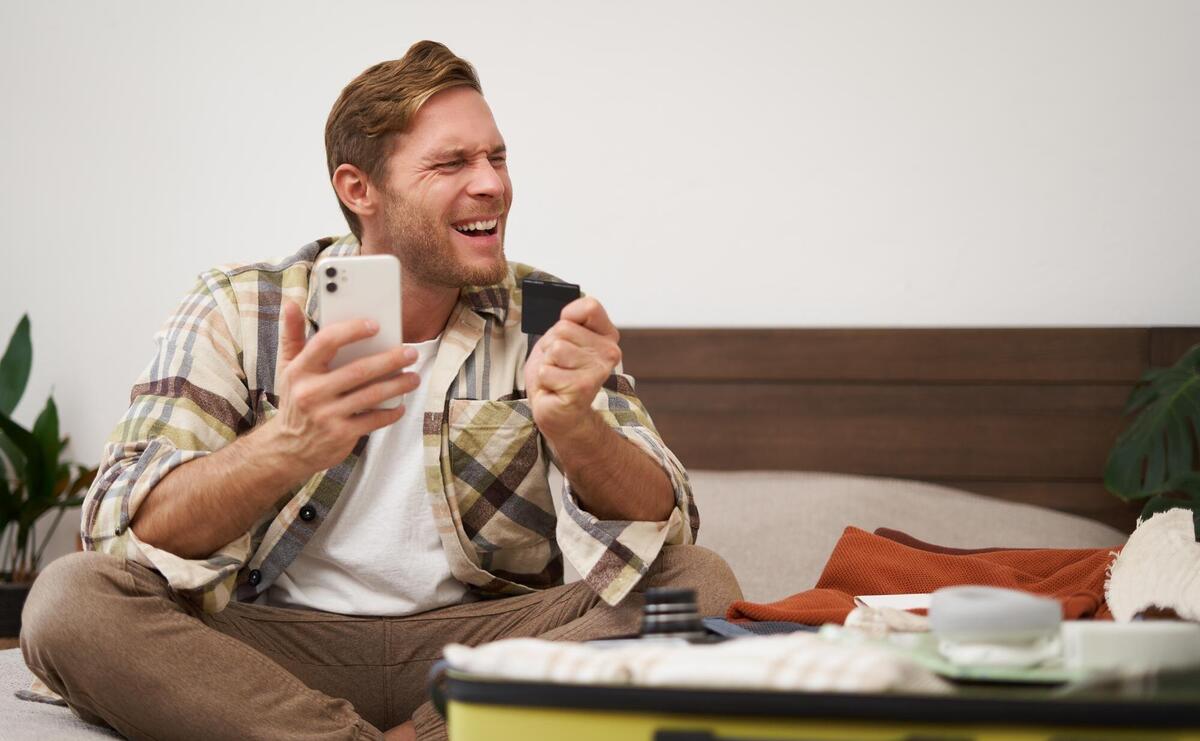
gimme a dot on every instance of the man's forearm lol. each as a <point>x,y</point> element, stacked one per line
<point>613,478</point>
<point>207,503</point>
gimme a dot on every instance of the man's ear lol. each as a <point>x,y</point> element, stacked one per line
<point>354,189</point>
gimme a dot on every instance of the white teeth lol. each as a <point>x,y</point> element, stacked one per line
<point>478,226</point>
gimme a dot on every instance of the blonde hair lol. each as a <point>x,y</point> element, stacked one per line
<point>380,104</point>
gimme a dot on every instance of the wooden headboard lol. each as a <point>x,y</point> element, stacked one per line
<point>1026,415</point>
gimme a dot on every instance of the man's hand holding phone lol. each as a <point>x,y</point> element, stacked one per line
<point>323,412</point>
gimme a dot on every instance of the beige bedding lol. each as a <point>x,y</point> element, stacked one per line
<point>777,528</point>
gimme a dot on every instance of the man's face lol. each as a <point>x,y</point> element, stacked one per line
<point>446,176</point>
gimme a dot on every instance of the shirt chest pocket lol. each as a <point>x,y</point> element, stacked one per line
<point>498,474</point>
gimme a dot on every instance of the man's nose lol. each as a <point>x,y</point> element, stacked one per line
<point>485,181</point>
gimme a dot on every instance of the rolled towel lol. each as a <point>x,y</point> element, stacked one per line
<point>1158,567</point>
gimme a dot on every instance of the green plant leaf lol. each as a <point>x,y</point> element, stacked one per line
<point>1179,444</point>
<point>14,459</point>
<point>32,511</point>
<point>14,367</point>
<point>1145,391</point>
<point>9,503</point>
<point>45,430</point>
<point>36,483</point>
<point>1163,503</point>
<point>1186,484</point>
<point>1159,446</point>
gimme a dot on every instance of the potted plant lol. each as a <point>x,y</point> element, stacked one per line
<point>34,481</point>
<point>1158,458</point>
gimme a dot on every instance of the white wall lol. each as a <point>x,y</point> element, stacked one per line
<point>692,164</point>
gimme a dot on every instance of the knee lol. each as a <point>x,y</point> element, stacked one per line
<point>705,571</point>
<point>65,600</point>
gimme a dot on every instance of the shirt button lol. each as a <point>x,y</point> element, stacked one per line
<point>308,513</point>
<point>255,577</point>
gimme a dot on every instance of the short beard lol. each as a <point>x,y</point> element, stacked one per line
<point>425,252</point>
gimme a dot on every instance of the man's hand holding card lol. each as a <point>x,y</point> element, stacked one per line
<point>576,353</point>
<point>570,362</point>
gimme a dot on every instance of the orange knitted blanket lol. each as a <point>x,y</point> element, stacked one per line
<point>865,563</point>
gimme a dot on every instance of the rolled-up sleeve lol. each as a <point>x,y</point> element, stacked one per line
<point>191,400</point>
<point>613,555</point>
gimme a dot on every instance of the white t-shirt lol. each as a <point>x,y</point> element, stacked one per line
<point>379,552</point>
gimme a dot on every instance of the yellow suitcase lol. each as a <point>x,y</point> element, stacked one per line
<point>477,709</point>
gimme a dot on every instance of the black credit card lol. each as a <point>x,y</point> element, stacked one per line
<point>541,303</point>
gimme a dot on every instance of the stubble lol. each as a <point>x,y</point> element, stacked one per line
<point>423,246</point>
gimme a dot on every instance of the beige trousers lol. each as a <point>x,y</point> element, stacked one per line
<point>123,649</point>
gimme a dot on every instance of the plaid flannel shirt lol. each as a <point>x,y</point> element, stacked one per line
<point>214,377</point>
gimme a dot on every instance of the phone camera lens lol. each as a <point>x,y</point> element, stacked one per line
<point>331,287</point>
<point>330,272</point>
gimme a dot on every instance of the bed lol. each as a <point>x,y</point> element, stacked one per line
<point>964,437</point>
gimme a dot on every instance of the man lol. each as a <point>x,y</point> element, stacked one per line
<point>272,556</point>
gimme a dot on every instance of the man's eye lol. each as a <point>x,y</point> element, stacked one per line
<point>499,160</point>
<point>450,165</point>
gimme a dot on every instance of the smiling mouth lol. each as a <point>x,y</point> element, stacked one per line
<point>481,228</point>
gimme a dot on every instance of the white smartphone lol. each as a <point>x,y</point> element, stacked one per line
<point>364,287</point>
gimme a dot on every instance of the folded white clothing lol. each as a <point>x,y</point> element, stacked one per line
<point>1157,567</point>
<point>800,661</point>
